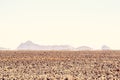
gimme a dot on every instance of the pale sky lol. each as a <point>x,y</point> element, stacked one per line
<point>58,22</point>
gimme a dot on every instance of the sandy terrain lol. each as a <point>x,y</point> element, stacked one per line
<point>59,65</point>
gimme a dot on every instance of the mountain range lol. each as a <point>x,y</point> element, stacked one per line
<point>29,45</point>
<point>1,48</point>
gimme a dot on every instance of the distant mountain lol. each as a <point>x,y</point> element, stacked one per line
<point>1,48</point>
<point>29,45</point>
<point>104,47</point>
<point>82,48</point>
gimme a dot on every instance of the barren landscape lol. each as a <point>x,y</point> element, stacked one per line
<point>59,65</point>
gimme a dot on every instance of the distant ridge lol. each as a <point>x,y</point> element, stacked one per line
<point>82,48</point>
<point>29,45</point>
<point>1,48</point>
<point>105,47</point>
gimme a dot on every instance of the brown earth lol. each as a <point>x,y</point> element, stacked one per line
<point>59,65</point>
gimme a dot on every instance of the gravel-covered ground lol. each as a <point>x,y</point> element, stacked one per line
<point>59,65</point>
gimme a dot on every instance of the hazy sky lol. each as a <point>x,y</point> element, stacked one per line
<point>74,22</point>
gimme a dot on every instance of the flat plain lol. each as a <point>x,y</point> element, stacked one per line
<point>60,65</point>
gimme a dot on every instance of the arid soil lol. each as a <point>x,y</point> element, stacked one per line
<point>59,65</point>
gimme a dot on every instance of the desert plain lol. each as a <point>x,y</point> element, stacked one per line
<point>60,65</point>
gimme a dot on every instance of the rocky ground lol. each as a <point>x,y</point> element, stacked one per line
<point>59,65</point>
